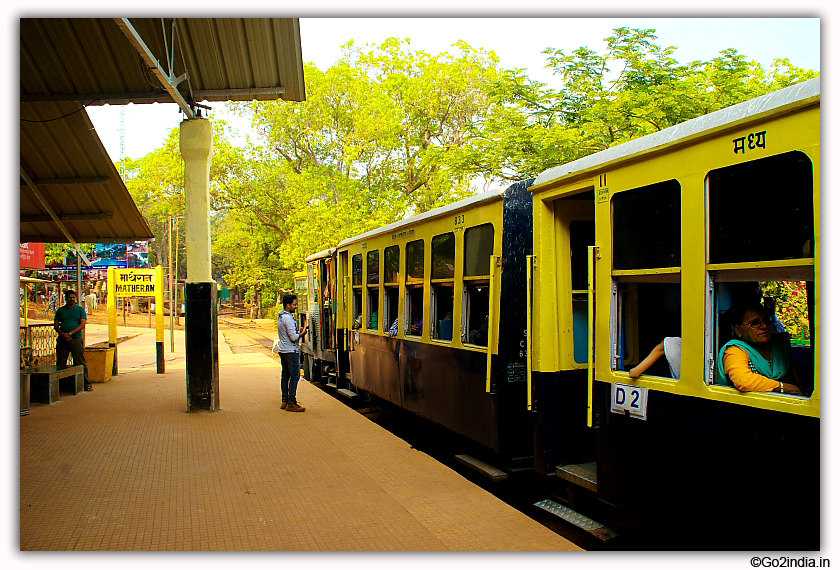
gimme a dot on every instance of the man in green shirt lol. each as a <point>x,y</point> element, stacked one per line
<point>70,321</point>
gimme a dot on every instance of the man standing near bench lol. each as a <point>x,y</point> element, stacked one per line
<point>70,321</point>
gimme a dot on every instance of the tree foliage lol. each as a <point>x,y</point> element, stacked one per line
<point>389,131</point>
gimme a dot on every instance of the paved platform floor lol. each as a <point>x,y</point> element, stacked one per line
<point>126,467</point>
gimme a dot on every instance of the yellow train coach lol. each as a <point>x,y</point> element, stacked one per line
<point>640,326</point>
<point>646,256</point>
<point>433,317</point>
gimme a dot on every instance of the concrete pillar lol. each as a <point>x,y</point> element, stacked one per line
<point>201,325</point>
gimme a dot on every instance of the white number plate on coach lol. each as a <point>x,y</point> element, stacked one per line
<point>633,399</point>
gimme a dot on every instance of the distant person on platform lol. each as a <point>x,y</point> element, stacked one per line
<point>69,323</point>
<point>287,333</point>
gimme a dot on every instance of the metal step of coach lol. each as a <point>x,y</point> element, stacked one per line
<point>582,474</point>
<point>583,522</point>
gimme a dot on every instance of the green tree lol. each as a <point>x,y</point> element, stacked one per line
<point>633,89</point>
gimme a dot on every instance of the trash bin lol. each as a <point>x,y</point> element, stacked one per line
<point>100,363</point>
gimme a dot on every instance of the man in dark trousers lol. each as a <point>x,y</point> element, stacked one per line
<point>70,321</point>
<point>287,332</point>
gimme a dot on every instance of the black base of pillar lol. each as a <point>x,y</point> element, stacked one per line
<point>202,346</point>
<point>114,369</point>
<point>161,363</point>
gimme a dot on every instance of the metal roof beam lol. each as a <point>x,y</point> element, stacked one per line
<point>68,181</point>
<point>51,212</point>
<point>167,82</point>
<point>162,97</point>
<point>67,218</point>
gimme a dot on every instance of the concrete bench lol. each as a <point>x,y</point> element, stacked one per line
<point>48,382</point>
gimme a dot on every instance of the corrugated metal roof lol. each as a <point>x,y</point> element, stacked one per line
<point>227,59</point>
<point>68,62</point>
<point>792,97</point>
<point>69,149</point>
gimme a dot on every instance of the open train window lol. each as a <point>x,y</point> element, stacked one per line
<point>647,301</point>
<point>442,304</point>
<point>415,263</point>
<point>443,286</point>
<point>478,247</point>
<point>761,252</point>
<point>373,290</point>
<point>392,300</point>
<point>392,287</point>
<point>414,311</point>
<point>357,308</point>
<point>476,311</point>
<point>357,269</point>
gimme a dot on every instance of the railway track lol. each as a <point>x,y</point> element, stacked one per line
<point>246,337</point>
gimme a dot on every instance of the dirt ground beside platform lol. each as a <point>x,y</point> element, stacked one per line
<point>141,320</point>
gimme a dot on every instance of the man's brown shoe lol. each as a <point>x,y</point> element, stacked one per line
<point>294,407</point>
<point>284,404</point>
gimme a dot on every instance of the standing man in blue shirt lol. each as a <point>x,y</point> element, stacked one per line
<point>69,322</point>
<point>287,332</point>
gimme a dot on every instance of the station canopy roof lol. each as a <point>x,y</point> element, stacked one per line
<point>70,190</point>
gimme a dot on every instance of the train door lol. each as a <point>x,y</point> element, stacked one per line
<point>574,224</point>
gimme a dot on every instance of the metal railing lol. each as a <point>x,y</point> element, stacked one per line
<point>37,345</point>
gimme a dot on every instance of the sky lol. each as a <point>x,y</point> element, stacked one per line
<point>518,42</point>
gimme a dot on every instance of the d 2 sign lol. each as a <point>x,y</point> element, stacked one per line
<point>633,399</point>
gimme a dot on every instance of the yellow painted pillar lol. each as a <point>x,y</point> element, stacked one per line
<point>111,305</point>
<point>201,324</point>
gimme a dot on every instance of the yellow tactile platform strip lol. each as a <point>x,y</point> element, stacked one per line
<point>125,467</point>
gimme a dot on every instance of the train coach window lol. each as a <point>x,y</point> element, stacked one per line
<point>373,267</point>
<point>392,299</point>
<point>762,210</point>
<point>373,309</point>
<point>357,308</point>
<point>476,308</point>
<point>392,289</point>
<point>443,256</point>
<point>414,259</point>
<point>646,227</point>
<point>373,290</point>
<point>414,311</point>
<point>478,247</point>
<point>392,265</point>
<point>443,303</point>
<point>357,269</point>
<point>761,251</point>
<point>645,314</point>
<point>790,306</point>
<point>443,286</point>
<point>647,305</point>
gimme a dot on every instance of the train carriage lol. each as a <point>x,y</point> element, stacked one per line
<point>655,239</point>
<point>514,318</point>
<point>433,317</point>
<point>319,349</point>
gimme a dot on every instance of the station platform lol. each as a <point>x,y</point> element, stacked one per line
<point>126,467</point>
